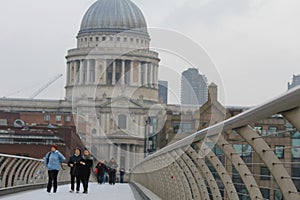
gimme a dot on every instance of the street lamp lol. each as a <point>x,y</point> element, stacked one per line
<point>146,143</point>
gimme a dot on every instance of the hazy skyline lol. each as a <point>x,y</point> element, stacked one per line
<point>253,43</point>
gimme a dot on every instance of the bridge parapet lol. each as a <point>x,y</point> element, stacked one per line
<point>208,165</point>
<point>18,172</point>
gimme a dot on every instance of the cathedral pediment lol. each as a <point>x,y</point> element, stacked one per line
<point>121,102</point>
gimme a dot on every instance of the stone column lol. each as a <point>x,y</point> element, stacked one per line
<point>156,76</point>
<point>88,71</point>
<point>81,69</point>
<point>104,72</point>
<point>145,74</point>
<point>111,152</point>
<point>123,73</point>
<point>114,73</point>
<point>131,73</point>
<point>151,75</point>
<point>119,154</point>
<point>139,73</point>
<point>127,157</point>
<point>76,73</point>
<point>68,73</point>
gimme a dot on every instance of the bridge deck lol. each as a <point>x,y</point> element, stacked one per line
<point>116,192</point>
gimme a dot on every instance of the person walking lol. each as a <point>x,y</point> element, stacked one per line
<point>73,164</point>
<point>84,169</point>
<point>122,174</point>
<point>112,170</point>
<point>101,168</point>
<point>52,161</point>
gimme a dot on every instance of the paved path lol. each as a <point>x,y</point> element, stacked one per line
<point>107,192</point>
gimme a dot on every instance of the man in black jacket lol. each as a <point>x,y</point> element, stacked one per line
<point>73,164</point>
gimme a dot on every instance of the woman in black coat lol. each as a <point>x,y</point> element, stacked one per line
<point>73,164</point>
<point>84,170</point>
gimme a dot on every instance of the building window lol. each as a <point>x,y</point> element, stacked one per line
<point>3,122</point>
<point>92,71</point>
<point>137,40</point>
<point>94,131</point>
<point>243,150</point>
<point>264,173</point>
<point>67,118</point>
<point>125,39</point>
<point>122,122</point>
<point>279,151</point>
<point>265,193</point>
<point>118,39</point>
<point>258,129</point>
<point>103,38</point>
<point>131,40</point>
<point>278,195</point>
<point>182,127</point>
<point>85,39</point>
<point>58,118</point>
<point>109,72</point>
<point>97,39</point>
<point>272,130</point>
<point>296,145</point>
<point>118,70</point>
<point>47,118</point>
<point>111,39</point>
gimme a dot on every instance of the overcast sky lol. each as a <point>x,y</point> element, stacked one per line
<point>255,44</point>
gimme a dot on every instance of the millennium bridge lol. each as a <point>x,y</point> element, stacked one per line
<point>204,165</point>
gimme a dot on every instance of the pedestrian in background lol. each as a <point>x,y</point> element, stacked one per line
<point>73,164</point>
<point>122,174</point>
<point>101,169</point>
<point>84,169</point>
<point>112,170</point>
<point>52,161</point>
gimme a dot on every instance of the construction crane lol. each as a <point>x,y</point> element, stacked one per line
<point>35,94</point>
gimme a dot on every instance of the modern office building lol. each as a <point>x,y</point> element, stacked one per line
<point>295,82</point>
<point>193,88</point>
<point>163,91</point>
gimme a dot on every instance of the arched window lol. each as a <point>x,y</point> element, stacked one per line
<point>94,131</point>
<point>122,121</point>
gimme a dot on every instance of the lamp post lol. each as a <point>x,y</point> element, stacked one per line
<point>146,143</point>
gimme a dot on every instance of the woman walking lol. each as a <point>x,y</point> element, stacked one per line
<point>73,164</point>
<point>84,169</point>
<point>52,161</point>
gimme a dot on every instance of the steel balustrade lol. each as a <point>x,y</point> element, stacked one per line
<point>189,169</point>
<point>16,171</point>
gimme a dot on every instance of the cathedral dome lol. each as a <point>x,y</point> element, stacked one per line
<point>113,16</point>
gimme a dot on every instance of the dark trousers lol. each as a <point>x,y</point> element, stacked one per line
<point>121,178</point>
<point>112,178</point>
<point>73,177</point>
<point>100,178</point>
<point>52,180</point>
<point>85,181</point>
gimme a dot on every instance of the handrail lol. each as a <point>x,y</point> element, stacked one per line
<point>191,165</point>
<point>19,171</point>
<point>285,102</point>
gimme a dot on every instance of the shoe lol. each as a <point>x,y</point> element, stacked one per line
<point>85,192</point>
<point>77,192</point>
<point>71,191</point>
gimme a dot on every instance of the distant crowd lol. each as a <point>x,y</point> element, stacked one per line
<point>80,169</point>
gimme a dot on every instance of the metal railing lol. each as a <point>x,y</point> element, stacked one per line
<point>206,165</point>
<point>18,172</point>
